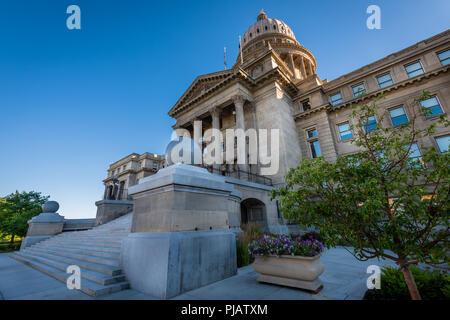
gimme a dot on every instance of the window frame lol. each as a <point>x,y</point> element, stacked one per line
<point>410,64</point>
<point>349,129</point>
<point>312,140</point>
<point>357,85</point>
<point>419,158</point>
<point>382,75</point>
<point>437,145</point>
<point>335,94</point>
<point>404,112</point>
<point>376,123</point>
<point>439,104</point>
<point>438,53</point>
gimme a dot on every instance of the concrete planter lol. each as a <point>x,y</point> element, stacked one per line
<point>292,271</point>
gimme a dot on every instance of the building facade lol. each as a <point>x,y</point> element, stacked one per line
<point>274,85</point>
<point>127,172</point>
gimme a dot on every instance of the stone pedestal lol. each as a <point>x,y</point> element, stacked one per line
<point>166,264</point>
<point>44,226</point>
<point>108,210</point>
<point>181,238</point>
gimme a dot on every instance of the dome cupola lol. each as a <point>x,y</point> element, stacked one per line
<point>279,35</point>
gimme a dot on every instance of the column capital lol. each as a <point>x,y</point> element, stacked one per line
<point>215,111</point>
<point>238,99</point>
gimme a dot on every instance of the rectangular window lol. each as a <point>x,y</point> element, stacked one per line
<point>398,116</point>
<point>432,105</point>
<point>305,105</point>
<point>414,69</point>
<point>313,143</point>
<point>384,80</point>
<point>444,57</point>
<point>344,131</point>
<point>315,149</point>
<point>443,143</point>
<point>336,99</point>
<point>415,154</point>
<point>371,124</point>
<point>155,165</point>
<point>359,90</point>
<point>312,133</point>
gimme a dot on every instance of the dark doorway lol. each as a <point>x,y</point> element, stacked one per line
<point>253,210</point>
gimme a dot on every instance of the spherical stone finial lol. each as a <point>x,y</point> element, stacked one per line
<point>183,150</point>
<point>50,207</point>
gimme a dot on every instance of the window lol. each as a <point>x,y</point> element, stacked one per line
<point>415,154</point>
<point>314,145</point>
<point>155,165</point>
<point>384,80</point>
<point>312,133</point>
<point>336,99</point>
<point>398,116</point>
<point>371,124</point>
<point>359,90</point>
<point>444,57</point>
<point>432,105</point>
<point>315,149</point>
<point>305,105</point>
<point>344,131</point>
<point>443,143</point>
<point>414,69</point>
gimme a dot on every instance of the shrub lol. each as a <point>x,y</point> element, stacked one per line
<point>270,244</point>
<point>251,231</point>
<point>7,246</point>
<point>432,285</point>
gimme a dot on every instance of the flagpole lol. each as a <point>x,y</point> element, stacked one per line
<point>225,57</point>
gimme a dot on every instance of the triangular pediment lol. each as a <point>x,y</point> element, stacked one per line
<point>201,85</point>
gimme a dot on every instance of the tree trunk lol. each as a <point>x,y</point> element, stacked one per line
<point>12,239</point>
<point>409,279</point>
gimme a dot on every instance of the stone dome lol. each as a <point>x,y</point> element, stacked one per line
<point>267,33</point>
<point>264,26</point>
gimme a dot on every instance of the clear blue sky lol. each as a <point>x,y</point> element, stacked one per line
<point>73,101</point>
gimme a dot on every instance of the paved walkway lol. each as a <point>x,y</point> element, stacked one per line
<point>344,278</point>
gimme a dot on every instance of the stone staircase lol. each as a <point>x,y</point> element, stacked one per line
<point>95,251</point>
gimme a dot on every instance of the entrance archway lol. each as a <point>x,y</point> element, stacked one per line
<point>253,210</point>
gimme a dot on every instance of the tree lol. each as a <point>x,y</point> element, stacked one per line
<point>15,211</point>
<point>383,200</point>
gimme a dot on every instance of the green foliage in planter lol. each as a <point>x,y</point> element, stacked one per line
<point>432,285</point>
<point>251,231</point>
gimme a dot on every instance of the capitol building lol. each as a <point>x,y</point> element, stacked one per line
<point>274,85</point>
<point>164,228</point>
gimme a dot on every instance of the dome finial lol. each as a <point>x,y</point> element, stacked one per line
<point>262,15</point>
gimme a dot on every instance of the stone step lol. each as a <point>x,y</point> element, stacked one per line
<point>87,243</point>
<point>78,246</point>
<point>87,286</point>
<point>85,273</point>
<point>87,251</point>
<point>101,268</point>
<point>84,257</point>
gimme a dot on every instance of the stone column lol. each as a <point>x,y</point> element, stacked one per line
<point>215,114</point>
<point>302,65</point>
<point>291,62</point>
<point>197,136</point>
<point>311,69</point>
<point>240,124</point>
